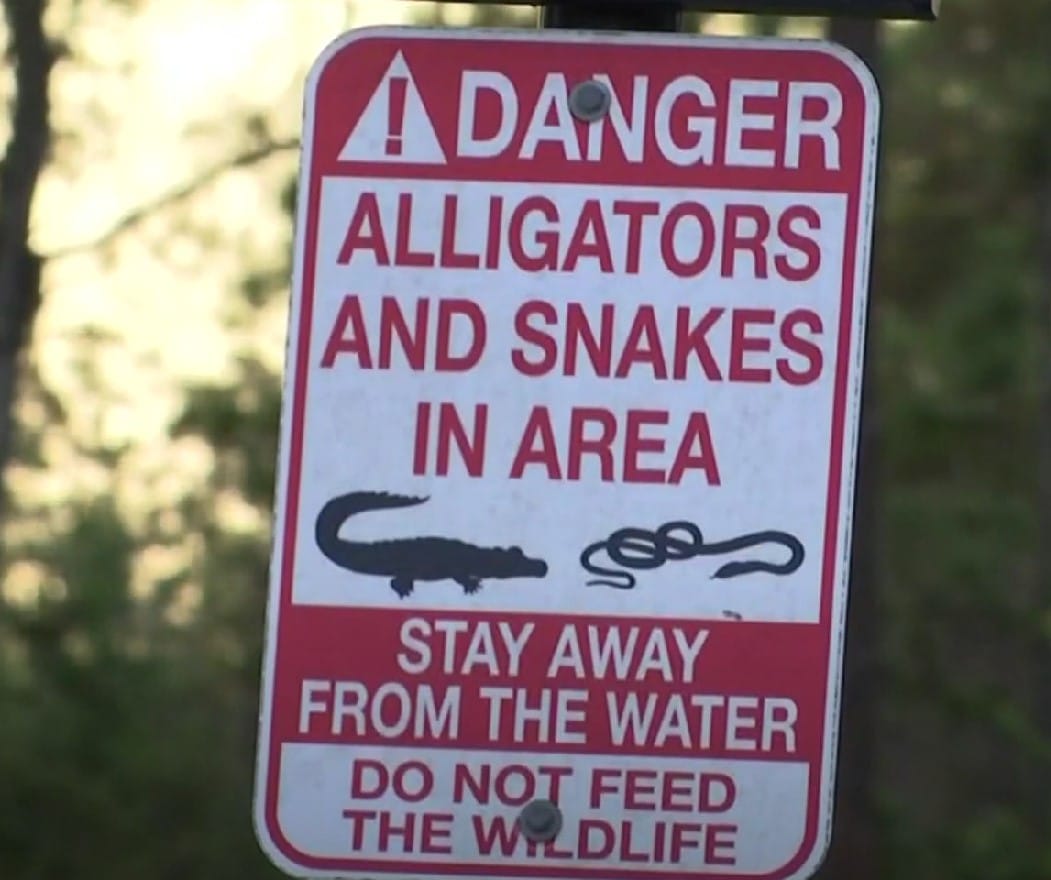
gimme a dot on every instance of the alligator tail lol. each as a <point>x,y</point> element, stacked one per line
<point>339,509</point>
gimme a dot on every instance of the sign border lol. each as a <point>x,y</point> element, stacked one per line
<point>818,830</point>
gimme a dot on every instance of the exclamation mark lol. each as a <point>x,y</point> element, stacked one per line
<point>396,116</point>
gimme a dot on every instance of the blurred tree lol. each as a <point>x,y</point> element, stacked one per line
<point>1042,631</point>
<point>961,746</point>
<point>129,639</point>
<point>23,160</point>
<point>129,663</point>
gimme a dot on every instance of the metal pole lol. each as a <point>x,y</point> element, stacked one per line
<point>604,16</point>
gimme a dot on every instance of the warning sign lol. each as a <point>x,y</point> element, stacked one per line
<point>567,456</point>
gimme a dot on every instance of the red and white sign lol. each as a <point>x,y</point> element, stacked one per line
<point>567,456</point>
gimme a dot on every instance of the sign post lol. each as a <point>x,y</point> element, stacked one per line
<point>567,456</point>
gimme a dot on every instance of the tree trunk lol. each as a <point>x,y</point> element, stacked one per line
<point>854,853</point>
<point>20,170</point>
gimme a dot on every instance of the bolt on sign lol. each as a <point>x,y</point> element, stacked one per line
<point>567,457</point>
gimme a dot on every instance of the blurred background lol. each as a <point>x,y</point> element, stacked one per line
<point>146,184</point>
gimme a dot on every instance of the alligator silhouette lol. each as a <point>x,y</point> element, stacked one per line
<point>407,560</point>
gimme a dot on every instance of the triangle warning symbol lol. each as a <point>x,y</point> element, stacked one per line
<point>395,126</point>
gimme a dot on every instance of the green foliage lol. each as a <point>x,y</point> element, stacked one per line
<point>118,734</point>
<point>959,299</point>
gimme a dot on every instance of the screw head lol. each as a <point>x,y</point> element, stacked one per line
<point>540,821</point>
<point>589,100</point>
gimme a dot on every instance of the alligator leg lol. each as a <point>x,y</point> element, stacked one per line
<point>470,584</point>
<point>402,586</point>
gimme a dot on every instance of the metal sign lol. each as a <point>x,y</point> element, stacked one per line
<point>567,456</point>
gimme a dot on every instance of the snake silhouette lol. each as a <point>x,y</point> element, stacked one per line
<point>642,550</point>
